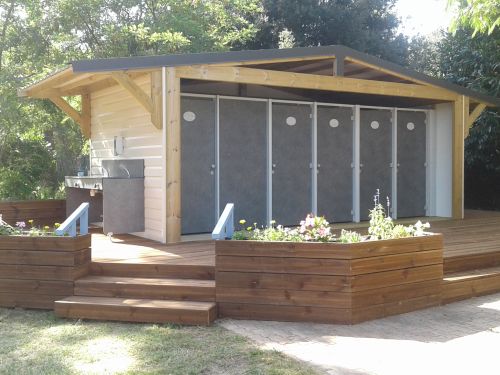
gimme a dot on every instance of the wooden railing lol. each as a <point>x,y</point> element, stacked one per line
<point>225,226</point>
<point>81,214</point>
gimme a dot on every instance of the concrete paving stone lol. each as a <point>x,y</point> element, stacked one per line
<point>459,338</point>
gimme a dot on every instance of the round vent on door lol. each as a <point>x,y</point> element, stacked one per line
<point>291,121</point>
<point>410,126</point>
<point>375,125</point>
<point>334,123</point>
<point>189,116</point>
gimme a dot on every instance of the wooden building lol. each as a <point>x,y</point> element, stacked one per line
<point>278,132</point>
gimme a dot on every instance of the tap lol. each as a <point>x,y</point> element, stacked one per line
<point>105,170</point>
<point>125,169</point>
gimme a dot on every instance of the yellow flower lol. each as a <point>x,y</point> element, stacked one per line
<point>242,221</point>
<point>57,225</point>
<point>249,229</point>
<point>31,221</point>
<point>273,222</point>
<point>46,227</point>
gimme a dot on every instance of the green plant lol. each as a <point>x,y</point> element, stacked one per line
<point>381,226</point>
<point>347,236</point>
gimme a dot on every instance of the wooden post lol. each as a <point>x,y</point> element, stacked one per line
<point>458,157</point>
<point>86,115</point>
<point>173,173</point>
<point>156,98</point>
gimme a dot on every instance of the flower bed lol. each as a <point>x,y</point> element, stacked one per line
<point>308,274</point>
<point>328,282</point>
<point>37,267</point>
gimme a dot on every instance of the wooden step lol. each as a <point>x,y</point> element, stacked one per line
<point>136,310</point>
<point>463,285</point>
<point>156,270</point>
<point>154,288</point>
<point>472,261</point>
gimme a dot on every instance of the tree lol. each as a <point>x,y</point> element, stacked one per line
<point>482,16</point>
<point>367,25</point>
<point>474,63</point>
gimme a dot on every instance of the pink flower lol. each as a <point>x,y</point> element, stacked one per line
<point>21,224</point>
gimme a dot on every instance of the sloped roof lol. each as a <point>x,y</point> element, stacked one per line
<point>337,51</point>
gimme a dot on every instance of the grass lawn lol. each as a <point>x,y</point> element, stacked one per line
<point>37,342</point>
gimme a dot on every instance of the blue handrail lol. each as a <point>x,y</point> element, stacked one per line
<point>69,226</point>
<point>225,226</point>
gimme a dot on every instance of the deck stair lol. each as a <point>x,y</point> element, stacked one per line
<point>473,275</point>
<point>143,292</point>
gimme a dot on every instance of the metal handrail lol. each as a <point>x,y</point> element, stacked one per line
<point>81,214</point>
<point>225,226</point>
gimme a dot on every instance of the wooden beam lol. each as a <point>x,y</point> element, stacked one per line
<point>66,108</point>
<point>459,112</point>
<point>473,116</point>
<point>86,115</point>
<point>134,89</point>
<point>173,173</point>
<point>311,81</point>
<point>156,97</point>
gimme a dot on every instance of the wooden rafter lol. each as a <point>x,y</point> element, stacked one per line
<point>150,104</point>
<point>83,118</point>
<point>311,81</point>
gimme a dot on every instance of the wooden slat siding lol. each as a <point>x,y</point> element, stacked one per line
<point>323,250</point>
<point>45,243</point>
<point>282,281</point>
<point>24,272</point>
<point>29,301</point>
<point>378,279</point>
<point>288,297</point>
<point>116,112</point>
<point>395,308</point>
<point>284,313</point>
<point>61,288</point>
<point>41,270</point>
<point>283,265</point>
<point>395,293</point>
<point>396,277</point>
<point>45,258</point>
<point>334,283</point>
<point>46,212</point>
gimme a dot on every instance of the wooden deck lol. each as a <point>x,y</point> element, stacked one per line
<point>128,249</point>
<point>478,235</point>
<point>134,279</point>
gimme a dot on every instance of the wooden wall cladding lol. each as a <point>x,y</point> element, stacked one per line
<point>328,283</point>
<point>46,212</point>
<point>36,271</point>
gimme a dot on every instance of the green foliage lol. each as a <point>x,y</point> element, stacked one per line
<point>483,16</point>
<point>348,236</point>
<point>369,26</point>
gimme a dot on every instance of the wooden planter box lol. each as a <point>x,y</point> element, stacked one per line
<point>328,282</point>
<point>36,271</point>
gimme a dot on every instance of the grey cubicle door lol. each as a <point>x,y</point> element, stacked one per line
<point>291,159</point>
<point>335,154</point>
<point>375,157</point>
<point>411,158</point>
<point>243,158</point>
<point>198,164</point>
